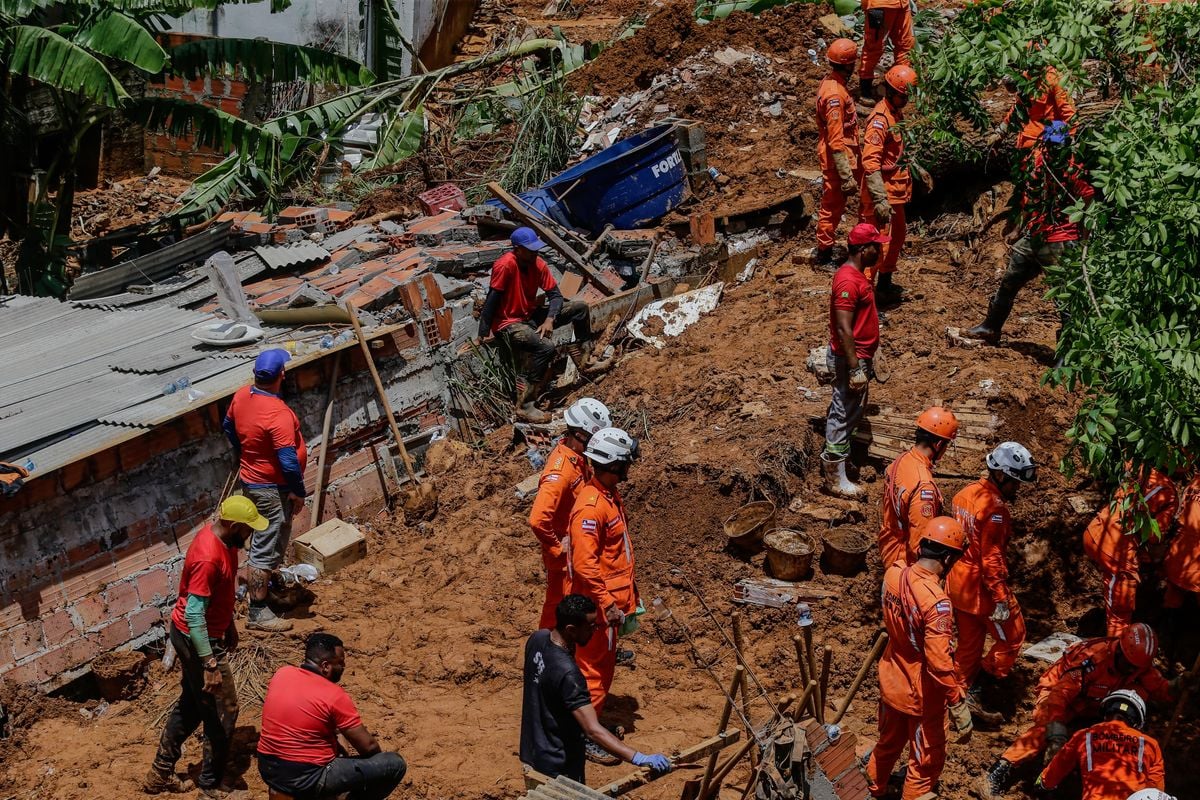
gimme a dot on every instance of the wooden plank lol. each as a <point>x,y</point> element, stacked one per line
<point>643,776</point>
<point>533,778</point>
<point>550,237</point>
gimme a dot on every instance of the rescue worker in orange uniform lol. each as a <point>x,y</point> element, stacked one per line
<point>1073,688</point>
<point>917,677</point>
<point>1114,757</point>
<point>978,585</point>
<point>1115,545</point>
<point>887,184</point>
<point>1049,103</point>
<point>1181,567</point>
<point>566,471</point>
<point>885,19</point>
<point>837,144</point>
<point>602,567</point>
<point>910,497</point>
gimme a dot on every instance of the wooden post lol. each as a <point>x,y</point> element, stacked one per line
<point>387,407</point>
<point>730,698</point>
<point>550,237</point>
<point>818,701</point>
<point>739,645</point>
<point>823,690</point>
<point>1184,695</point>
<point>645,268</point>
<point>326,425</point>
<point>595,245</point>
<point>871,658</point>
<point>798,643</point>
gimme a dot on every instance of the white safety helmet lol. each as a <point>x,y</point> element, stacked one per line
<point>1126,702</point>
<point>611,446</point>
<point>1150,794</point>
<point>587,415</point>
<point>1014,461</point>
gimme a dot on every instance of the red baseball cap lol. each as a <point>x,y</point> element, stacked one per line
<point>865,233</point>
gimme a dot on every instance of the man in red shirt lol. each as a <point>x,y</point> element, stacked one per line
<point>201,630</point>
<point>853,340</point>
<point>303,713</point>
<point>1054,184</point>
<point>511,311</point>
<point>266,437</point>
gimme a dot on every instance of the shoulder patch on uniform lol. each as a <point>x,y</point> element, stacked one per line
<point>833,101</point>
<point>942,607</point>
<point>927,494</point>
<point>926,509</point>
<point>845,294</point>
<point>588,524</point>
<point>878,123</point>
<point>997,518</point>
<point>551,477</point>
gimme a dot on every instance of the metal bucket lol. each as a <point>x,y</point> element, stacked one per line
<point>789,553</point>
<point>844,552</point>
<point>744,528</point>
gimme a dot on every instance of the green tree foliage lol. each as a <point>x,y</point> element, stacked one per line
<point>1132,292</point>
<point>87,54</point>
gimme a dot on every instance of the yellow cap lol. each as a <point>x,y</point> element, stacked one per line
<point>239,508</point>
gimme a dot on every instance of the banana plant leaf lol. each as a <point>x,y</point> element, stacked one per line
<point>118,36</point>
<point>46,57</point>
<point>398,140</point>
<point>259,60</point>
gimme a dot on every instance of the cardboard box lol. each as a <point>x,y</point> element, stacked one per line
<point>330,546</point>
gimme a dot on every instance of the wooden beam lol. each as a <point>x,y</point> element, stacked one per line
<point>533,778</point>
<point>691,754</point>
<point>551,238</point>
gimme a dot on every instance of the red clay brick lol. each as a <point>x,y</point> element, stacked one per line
<point>91,610</point>
<point>58,628</point>
<point>26,639</point>
<point>74,475</point>
<point>67,657</point>
<point>360,494</point>
<point>40,490</point>
<point>154,586</point>
<point>26,673</point>
<point>113,635</point>
<point>143,621</point>
<point>82,552</point>
<point>121,598</point>
<point>135,452</point>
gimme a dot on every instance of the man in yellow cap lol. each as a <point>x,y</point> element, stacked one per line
<point>202,632</point>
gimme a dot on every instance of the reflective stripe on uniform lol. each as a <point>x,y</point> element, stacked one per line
<point>1141,753</point>
<point>1089,750</point>
<point>999,631</point>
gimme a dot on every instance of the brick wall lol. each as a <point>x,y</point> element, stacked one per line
<point>179,155</point>
<point>90,554</point>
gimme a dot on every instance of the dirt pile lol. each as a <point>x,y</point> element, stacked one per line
<point>119,204</point>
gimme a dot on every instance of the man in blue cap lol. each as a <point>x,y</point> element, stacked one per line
<point>266,438</point>
<point>1053,184</point>
<point>512,311</point>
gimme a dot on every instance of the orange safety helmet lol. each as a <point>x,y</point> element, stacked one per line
<point>901,78</point>
<point>945,531</point>
<point>1138,644</point>
<point>939,421</point>
<point>842,51</point>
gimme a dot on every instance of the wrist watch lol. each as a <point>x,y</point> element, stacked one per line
<point>211,663</point>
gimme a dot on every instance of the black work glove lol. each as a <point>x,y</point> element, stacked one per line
<point>875,17</point>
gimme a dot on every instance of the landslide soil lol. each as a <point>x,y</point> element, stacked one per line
<point>435,617</point>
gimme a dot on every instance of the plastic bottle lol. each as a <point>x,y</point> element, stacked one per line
<point>536,459</point>
<point>29,465</point>
<point>804,616</point>
<point>812,56</point>
<point>327,341</point>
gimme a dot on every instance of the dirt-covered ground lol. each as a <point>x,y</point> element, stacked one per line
<point>436,616</point>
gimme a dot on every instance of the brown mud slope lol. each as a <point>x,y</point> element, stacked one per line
<point>435,617</point>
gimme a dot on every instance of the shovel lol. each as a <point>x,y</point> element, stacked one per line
<point>420,499</point>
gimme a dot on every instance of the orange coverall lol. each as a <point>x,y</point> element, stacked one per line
<point>897,26</point>
<point>979,581</point>
<point>1182,564</point>
<point>1119,555</point>
<point>837,130</point>
<point>883,148</point>
<point>910,500</point>
<point>564,473</point>
<point>1114,761</point>
<point>1075,685</point>
<point>1052,104</point>
<point>916,680</point>
<point>602,569</point>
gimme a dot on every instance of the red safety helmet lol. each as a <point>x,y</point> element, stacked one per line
<point>947,532</point>
<point>939,421</point>
<point>1138,644</point>
<point>842,51</point>
<point>901,78</point>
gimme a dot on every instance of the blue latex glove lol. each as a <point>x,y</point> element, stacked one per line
<point>657,763</point>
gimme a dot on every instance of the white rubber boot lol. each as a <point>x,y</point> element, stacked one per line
<point>836,482</point>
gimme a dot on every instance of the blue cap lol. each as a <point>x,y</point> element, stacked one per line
<point>1056,132</point>
<point>527,238</point>
<point>270,363</point>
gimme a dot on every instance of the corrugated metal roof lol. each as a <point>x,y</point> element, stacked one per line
<point>152,267</point>
<point>292,256</point>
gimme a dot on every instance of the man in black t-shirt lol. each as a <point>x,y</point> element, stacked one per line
<point>556,711</point>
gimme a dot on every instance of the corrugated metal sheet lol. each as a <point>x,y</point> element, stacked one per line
<point>153,266</point>
<point>71,448</point>
<point>358,233</point>
<point>165,289</point>
<point>563,788</point>
<point>293,256</point>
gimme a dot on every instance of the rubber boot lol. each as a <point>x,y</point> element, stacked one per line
<point>166,783</point>
<point>526,410</point>
<point>994,783</point>
<point>836,482</point>
<point>580,354</point>
<point>977,709</point>
<point>988,330</point>
<point>886,291</point>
